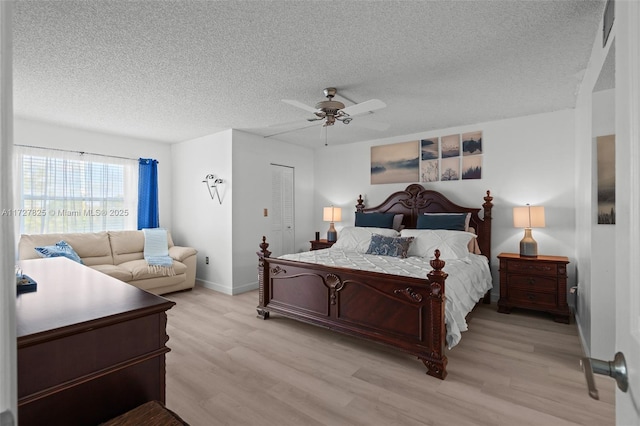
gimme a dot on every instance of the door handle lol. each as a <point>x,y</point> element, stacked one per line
<point>617,369</point>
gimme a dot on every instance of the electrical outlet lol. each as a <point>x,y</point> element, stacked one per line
<point>206,260</point>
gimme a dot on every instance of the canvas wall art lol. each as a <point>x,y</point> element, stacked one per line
<point>472,143</point>
<point>606,152</point>
<point>395,163</point>
<point>444,158</point>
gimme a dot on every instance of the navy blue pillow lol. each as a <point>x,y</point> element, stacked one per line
<point>374,220</point>
<point>452,222</point>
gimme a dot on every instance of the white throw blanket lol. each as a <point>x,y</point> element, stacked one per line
<point>156,251</point>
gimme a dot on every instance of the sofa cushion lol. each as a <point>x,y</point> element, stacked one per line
<point>181,253</point>
<point>93,248</point>
<point>114,271</point>
<point>139,269</point>
<point>129,245</point>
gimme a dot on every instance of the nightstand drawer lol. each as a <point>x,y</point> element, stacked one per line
<point>532,299</point>
<point>533,283</point>
<point>538,268</point>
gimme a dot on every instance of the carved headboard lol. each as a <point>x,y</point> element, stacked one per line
<point>416,200</point>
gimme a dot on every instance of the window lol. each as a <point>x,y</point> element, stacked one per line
<point>72,192</point>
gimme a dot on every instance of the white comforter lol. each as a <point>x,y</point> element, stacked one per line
<point>469,279</point>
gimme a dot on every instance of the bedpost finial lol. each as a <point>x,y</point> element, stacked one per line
<point>263,247</point>
<point>488,205</point>
<point>360,205</point>
<point>436,263</point>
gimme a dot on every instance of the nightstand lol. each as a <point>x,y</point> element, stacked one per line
<point>321,244</point>
<point>538,283</point>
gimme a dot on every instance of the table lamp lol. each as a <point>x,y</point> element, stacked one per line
<point>332,214</point>
<point>528,217</point>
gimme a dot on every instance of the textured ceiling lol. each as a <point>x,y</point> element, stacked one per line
<point>177,70</point>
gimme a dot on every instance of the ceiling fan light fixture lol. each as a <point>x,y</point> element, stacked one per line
<point>329,105</point>
<point>331,111</point>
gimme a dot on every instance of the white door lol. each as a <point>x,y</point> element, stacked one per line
<point>282,213</point>
<point>8,381</point>
<point>627,18</point>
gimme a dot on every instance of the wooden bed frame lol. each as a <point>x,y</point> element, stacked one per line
<point>403,312</point>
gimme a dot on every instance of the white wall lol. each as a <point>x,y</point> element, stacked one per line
<point>603,273</point>
<point>199,221</point>
<point>229,233</point>
<point>590,269</point>
<point>252,158</point>
<point>47,135</point>
<point>526,160</point>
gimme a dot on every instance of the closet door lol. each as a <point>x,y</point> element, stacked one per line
<point>282,210</point>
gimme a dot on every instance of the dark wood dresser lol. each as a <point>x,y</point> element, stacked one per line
<point>90,347</point>
<point>538,283</point>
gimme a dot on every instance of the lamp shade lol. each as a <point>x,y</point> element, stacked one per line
<point>528,217</point>
<point>332,214</point>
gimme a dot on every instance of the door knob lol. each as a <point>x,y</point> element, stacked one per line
<point>617,369</point>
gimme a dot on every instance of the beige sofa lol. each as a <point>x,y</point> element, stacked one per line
<point>120,255</point>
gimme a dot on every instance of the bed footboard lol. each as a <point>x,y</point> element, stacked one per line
<point>402,312</point>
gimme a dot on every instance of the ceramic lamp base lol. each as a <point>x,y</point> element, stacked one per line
<point>332,234</point>
<point>528,246</point>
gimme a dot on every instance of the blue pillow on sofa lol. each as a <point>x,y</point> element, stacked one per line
<point>61,248</point>
<point>374,220</point>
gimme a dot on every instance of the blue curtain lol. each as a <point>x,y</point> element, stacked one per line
<point>148,216</point>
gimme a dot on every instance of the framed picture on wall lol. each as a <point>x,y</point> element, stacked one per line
<point>606,152</point>
<point>395,163</point>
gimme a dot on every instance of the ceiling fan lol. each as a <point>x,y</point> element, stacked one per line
<point>331,111</point>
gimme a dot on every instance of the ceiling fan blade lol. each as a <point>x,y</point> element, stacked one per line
<point>370,124</point>
<point>300,105</point>
<point>276,133</point>
<point>362,107</point>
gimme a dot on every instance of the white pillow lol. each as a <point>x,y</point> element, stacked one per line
<point>452,244</point>
<point>358,238</point>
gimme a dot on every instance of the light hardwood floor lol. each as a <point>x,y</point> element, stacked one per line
<point>227,367</point>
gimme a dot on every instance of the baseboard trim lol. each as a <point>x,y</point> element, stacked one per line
<point>583,343</point>
<point>226,290</point>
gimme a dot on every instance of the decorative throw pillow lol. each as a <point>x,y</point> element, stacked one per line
<point>61,248</point>
<point>450,221</point>
<point>375,220</point>
<point>358,239</point>
<point>389,246</point>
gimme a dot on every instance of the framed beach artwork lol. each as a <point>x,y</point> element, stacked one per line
<point>395,163</point>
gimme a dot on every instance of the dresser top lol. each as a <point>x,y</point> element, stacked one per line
<point>72,296</point>
<point>540,258</point>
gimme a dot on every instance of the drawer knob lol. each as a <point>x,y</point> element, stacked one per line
<point>531,281</point>
<point>531,296</point>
